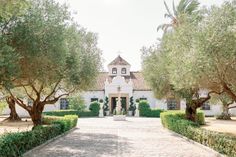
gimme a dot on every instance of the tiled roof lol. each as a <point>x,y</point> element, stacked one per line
<point>119,61</point>
<point>136,77</point>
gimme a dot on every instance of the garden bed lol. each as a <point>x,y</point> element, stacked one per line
<point>220,142</point>
<point>224,126</point>
<point>16,144</point>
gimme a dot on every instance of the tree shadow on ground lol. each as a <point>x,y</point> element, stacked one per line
<point>79,144</point>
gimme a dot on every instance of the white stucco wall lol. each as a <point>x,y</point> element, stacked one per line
<point>23,113</point>
<point>92,94</point>
<point>146,94</point>
<point>119,67</point>
<point>119,81</point>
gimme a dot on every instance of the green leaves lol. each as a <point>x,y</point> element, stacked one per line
<point>197,54</point>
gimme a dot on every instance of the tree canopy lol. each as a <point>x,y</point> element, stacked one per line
<point>55,56</point>
<point>198,54</point>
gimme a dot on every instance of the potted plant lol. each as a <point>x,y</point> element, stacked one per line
<point>106,107</point>
<point>131,107</point>
<point>137,108</point>
<point>101,108</point>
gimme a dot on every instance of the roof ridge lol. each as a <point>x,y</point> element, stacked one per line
<point>119,61</point>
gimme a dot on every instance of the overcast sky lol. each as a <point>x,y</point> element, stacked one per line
<point>123,25</point>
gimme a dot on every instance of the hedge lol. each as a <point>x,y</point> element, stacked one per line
<point>146,111</point>
<point>220,142</point>
<point>16,144</point>
<point>94,107</point>
<point>71,112</point>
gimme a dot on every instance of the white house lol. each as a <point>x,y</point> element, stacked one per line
<point>130,84</point>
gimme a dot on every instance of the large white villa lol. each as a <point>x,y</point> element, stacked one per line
<point>130,84</point>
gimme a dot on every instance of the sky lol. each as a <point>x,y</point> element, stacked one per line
<point>124,26</point>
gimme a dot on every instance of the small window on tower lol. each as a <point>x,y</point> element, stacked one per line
<point>114,71</point>
<point>123,71</point>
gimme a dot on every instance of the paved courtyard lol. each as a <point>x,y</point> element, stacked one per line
<point>136,137</point>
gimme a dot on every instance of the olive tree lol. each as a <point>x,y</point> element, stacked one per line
<point>57,57</point>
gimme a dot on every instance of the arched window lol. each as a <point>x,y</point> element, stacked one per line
<point>114,70</point>
<point>123,71</point>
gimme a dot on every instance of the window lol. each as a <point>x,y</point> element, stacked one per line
<point>206,106</point>
<point>114,70</point>
<point>94,99</point>
<point>143,99</point>
<point>171,104</point>
<point>64,104</point>
<point>123,71</point>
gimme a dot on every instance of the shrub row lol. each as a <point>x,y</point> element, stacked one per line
<point>220,142</point>
<point>15,144</point>
<point>146,111</point>
<point>71,112</point>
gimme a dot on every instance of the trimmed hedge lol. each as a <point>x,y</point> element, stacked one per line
<point>94,107</point>
<point>71,112</point>
<point>220,142</point>
<point>146,111</point>
<point>16,144</point>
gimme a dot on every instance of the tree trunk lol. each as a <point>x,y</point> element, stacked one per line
<point>191,112</point>
<point>36,114</point>
<point>225,114</point>
<point>12,106</point>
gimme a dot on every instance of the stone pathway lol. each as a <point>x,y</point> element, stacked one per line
<point>136,137</point>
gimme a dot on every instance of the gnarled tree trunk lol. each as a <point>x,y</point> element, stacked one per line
<point>36,113</point>
<point>191,112</point>
<point>12,106</point>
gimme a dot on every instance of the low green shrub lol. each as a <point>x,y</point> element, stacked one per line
<point>16,144</point>
<point>71,112</point>
<point>61,113</point>
<point>181,115</point>
<point>95,107</point>
<point>146,111</point>
<point>220,142</point>
<point>87,114</point>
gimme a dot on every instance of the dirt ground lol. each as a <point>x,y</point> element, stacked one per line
<point>7,127</point>
<point>226,126</point>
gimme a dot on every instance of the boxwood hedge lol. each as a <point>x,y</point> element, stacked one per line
<point>71,112</point>
<point>15,144</point>
<point>146,111</point>
<point>220,142</point>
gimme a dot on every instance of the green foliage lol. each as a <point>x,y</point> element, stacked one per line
<point>53,53</point>
<point>3,105</point>
<point>186,10</point>
<point>131,105</point>
<point>15,144</point>
<point>220,142</point>
<point>181,115</point>
<point>11,8</point>
<point>77,103</point>
<point>94,107</point>
<point>146,111</point>
<point>61,113</point>
<point>71,112</point>
<point>144,108</point>
<point>106,107</point>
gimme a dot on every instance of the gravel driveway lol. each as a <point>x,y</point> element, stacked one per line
<point>136,137</point>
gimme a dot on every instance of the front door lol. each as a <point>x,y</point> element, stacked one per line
<point>114,103</point>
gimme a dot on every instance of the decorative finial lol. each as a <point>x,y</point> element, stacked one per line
<point>119,53</point>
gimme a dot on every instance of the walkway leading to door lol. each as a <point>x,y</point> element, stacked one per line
<point>136,137</point>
